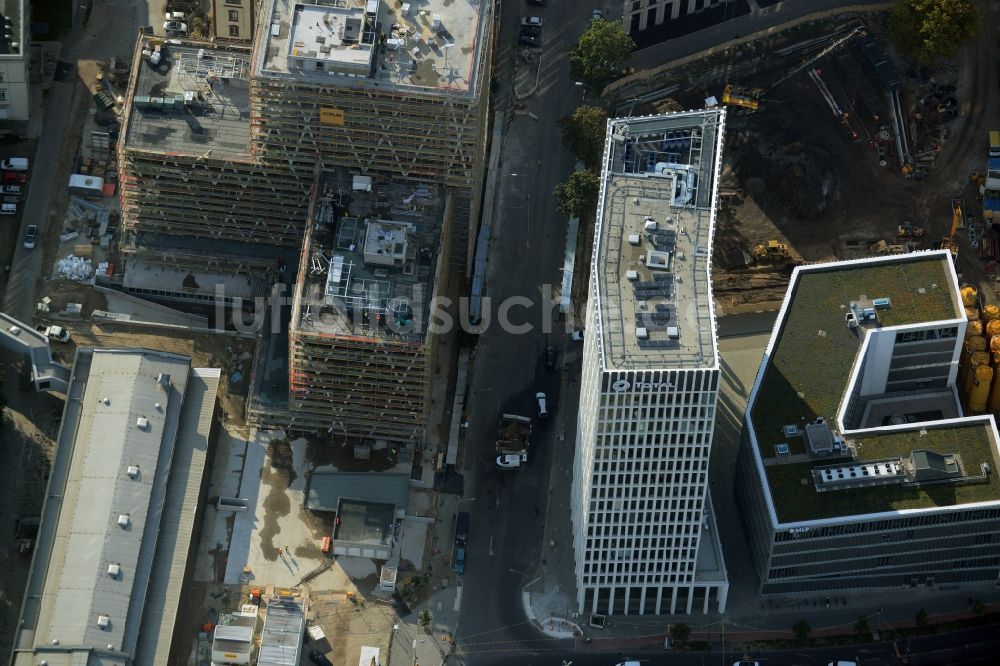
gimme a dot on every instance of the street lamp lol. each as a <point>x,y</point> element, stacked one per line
<point>586,87</point>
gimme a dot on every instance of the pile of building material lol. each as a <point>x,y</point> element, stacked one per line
<point>75,268</point>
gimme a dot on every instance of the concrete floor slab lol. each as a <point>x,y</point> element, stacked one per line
<point>226,476</point>
<point>243,524</point>
<point>414,537</point>
<point>279,521</point>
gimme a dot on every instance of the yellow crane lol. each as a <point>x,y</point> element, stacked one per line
<point>949,242</point>
<point>749,98</point>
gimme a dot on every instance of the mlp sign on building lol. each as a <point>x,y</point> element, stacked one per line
<point>644,531</point>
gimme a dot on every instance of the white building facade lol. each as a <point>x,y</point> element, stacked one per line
<point>14,83</point>
<point>645,540</point>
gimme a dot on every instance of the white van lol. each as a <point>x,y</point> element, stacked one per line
<point>14,164</point>
<point>8,209</point>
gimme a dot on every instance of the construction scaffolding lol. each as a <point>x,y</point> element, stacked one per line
<point>186,168</point>
<point>360,356</point>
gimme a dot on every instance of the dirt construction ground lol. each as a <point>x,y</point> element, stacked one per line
<point>793,174</point>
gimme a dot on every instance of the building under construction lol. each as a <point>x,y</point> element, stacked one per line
<point>193,197</point>
<point>221,145</point>
<point>360,344</point>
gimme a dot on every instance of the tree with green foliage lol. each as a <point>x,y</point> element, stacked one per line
<point>583,134</point>
<point>424,619</point>
<point>861,627</point>
<point>680,633</point>
<point>578,195</point>
<point>921,618</point>
<point>802,629</point>
<point>931,30</point>
<point>600,53</point>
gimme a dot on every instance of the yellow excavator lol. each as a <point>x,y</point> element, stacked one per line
<point>748,98</point>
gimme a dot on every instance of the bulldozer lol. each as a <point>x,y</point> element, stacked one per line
<point>770,252</point>
<point>748,98</point>
<point>909,230</point>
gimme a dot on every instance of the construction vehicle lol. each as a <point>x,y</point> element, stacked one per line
<point>950,241</point>
<point>750,98</point>
<point>57,333</point>
<point>909,230</point>
<point>513,435</point>
<point>770,252</point>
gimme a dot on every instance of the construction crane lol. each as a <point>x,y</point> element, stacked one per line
<point>749,98</point>
<point>949,242</point>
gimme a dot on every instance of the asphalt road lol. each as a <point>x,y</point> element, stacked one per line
<point>970,646</point>
<point>509,368</point>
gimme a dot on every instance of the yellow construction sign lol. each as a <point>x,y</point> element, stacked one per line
<point>329,116</point>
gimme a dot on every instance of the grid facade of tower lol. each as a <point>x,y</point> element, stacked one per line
<point>643,470</point>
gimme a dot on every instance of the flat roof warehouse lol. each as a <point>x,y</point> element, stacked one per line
<point>129,462</point>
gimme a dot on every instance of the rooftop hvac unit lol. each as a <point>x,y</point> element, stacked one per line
<point>114,570</point>
<point>163,379</point>
<point>133,471</point>
<point>124,521</point>
<point>633,239</point>
<point>641,333</point>
<point>103,621</point>
<point>142,423</point>
<point>631,275</point>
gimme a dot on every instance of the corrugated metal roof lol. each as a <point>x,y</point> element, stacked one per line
<point>98,492</point>
<point>327,486</point>
<point>281,639</point>
<point>175,539</point>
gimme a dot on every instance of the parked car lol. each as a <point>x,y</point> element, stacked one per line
<point>14,164</point>
<point>538,3</point>
<point>175,28</point>
<point>577,335</point>
<point>15,178</point>
<point>8,209</point>
<point>598,14</point>
<point>512,460</point>
<point>30,236</point>
<point>319,658</point>
<point>550,357</point>
<point>543,408</point>
<point>532,21</point>
<point>533,30</point>
<point>459,560</point>
<point>462,529</point>
<point>529,40</point>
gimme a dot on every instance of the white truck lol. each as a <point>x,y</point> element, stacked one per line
<point>57,333</point>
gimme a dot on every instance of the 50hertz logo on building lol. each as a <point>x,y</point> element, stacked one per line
<point>622,385</point>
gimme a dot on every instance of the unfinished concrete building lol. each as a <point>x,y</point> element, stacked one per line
<point>360,346</point>
<point>381,87</point>
<point>221,146</point>
<point>193,197</point>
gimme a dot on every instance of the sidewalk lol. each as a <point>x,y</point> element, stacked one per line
<point>550,598</point>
